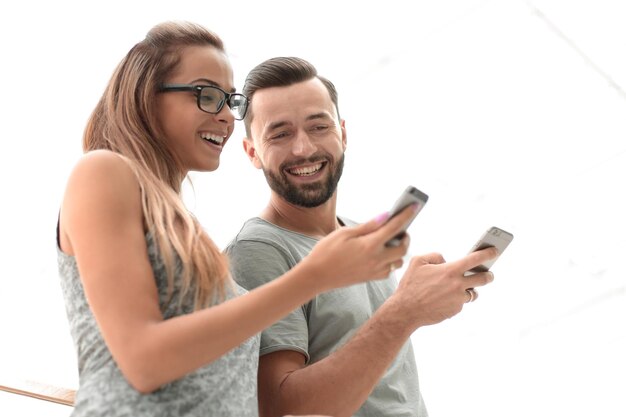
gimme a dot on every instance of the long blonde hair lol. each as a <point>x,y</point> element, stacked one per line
<point>124,121</point>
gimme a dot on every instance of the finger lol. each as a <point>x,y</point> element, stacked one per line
<point>387,228</point>
<point>393,266</point>
<point>368,227</point>
<point>475,258</point>
<point>396,226</point>
<point>472,295</point>
<point>406,240</point>
<point>431,258</point>
<point>395,253</point>
<point>390,265</point>
<point>428,259</point>
<point>479,279</point>
<point>396,265</point>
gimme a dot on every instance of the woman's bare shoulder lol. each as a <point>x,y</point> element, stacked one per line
<point>94,162</point>
<point>103,189</point>
<point>102,171</point>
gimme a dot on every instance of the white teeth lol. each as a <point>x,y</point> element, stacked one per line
<point>213,138</point>
<point>306,171</point>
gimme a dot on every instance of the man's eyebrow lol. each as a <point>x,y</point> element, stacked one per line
<point>320,115</point>
<point>206,81</point>
<point>314,116</point>
<point>276,125</point>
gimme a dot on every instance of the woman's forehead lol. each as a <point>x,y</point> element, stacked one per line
<point>204,62</point>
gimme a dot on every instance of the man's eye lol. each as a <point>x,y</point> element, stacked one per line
<point>280,135</point>
<point>320,128</point>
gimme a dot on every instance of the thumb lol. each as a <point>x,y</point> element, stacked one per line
<point>431,258</point>
<point>370,226</point>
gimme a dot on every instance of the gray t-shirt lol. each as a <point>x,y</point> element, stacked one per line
<point>226,387</point>
<point>261,252</point>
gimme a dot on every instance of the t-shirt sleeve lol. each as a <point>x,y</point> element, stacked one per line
<point>255,263</point>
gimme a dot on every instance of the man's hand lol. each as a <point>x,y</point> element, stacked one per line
<point>432,290</point>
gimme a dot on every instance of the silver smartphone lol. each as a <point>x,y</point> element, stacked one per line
<point>492,237</point>
<point>410,196</point>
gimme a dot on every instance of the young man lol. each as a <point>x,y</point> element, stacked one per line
<point>346,352</point>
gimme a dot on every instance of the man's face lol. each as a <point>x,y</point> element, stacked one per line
<point>298,142</point>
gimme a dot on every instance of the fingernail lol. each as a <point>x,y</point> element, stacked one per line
<point>381,218</point>
<point>491,276</point>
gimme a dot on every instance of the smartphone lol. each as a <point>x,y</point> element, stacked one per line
<point>410,196</point>
<point>492,237</point>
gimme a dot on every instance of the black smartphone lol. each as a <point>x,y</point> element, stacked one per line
<point>494,236</point>
<point>410,196</point>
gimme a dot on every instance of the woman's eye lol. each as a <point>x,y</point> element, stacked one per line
<point>207,99</point>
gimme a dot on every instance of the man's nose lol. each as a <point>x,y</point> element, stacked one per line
<point>303,145</point>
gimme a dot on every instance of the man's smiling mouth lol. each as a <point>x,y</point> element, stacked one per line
<point>306,171</point>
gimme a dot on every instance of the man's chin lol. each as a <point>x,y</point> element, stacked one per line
<point>307,194</point>
<point>305,199</point>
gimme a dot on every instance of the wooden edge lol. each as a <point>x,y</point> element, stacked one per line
<point>40,391</point>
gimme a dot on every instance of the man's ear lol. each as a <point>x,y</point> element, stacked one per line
<point>344,134</point>
<point>250,150</point>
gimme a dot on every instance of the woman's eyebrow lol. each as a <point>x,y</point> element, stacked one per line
<point>213,83</point>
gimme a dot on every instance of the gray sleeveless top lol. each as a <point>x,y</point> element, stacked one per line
<point>225,387</point>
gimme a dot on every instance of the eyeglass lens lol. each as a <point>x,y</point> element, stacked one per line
<point>213,99</point>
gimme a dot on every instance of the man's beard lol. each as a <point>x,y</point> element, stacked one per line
<point>306,195</point>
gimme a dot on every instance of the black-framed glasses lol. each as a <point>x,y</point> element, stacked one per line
<point>211,99</point>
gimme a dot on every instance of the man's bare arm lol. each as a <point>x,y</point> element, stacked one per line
<point>339,384</point>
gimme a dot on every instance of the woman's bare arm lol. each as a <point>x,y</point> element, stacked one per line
<point>102,226</point>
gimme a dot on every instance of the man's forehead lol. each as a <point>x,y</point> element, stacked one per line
<point>304,100</point>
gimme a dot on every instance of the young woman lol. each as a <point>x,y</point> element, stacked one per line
<point>159,325</point>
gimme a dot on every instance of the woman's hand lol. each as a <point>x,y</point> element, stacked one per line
<point>356,254</point>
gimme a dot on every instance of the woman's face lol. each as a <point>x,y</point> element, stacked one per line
<point>197,137</point>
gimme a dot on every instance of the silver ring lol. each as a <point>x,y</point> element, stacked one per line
<point>472,294</point>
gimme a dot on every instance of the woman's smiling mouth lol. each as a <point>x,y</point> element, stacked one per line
<point>213,138</point>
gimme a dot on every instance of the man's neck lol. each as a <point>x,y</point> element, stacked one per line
<point>316,222</point>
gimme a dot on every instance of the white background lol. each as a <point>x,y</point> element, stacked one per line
<point>509,113</point>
